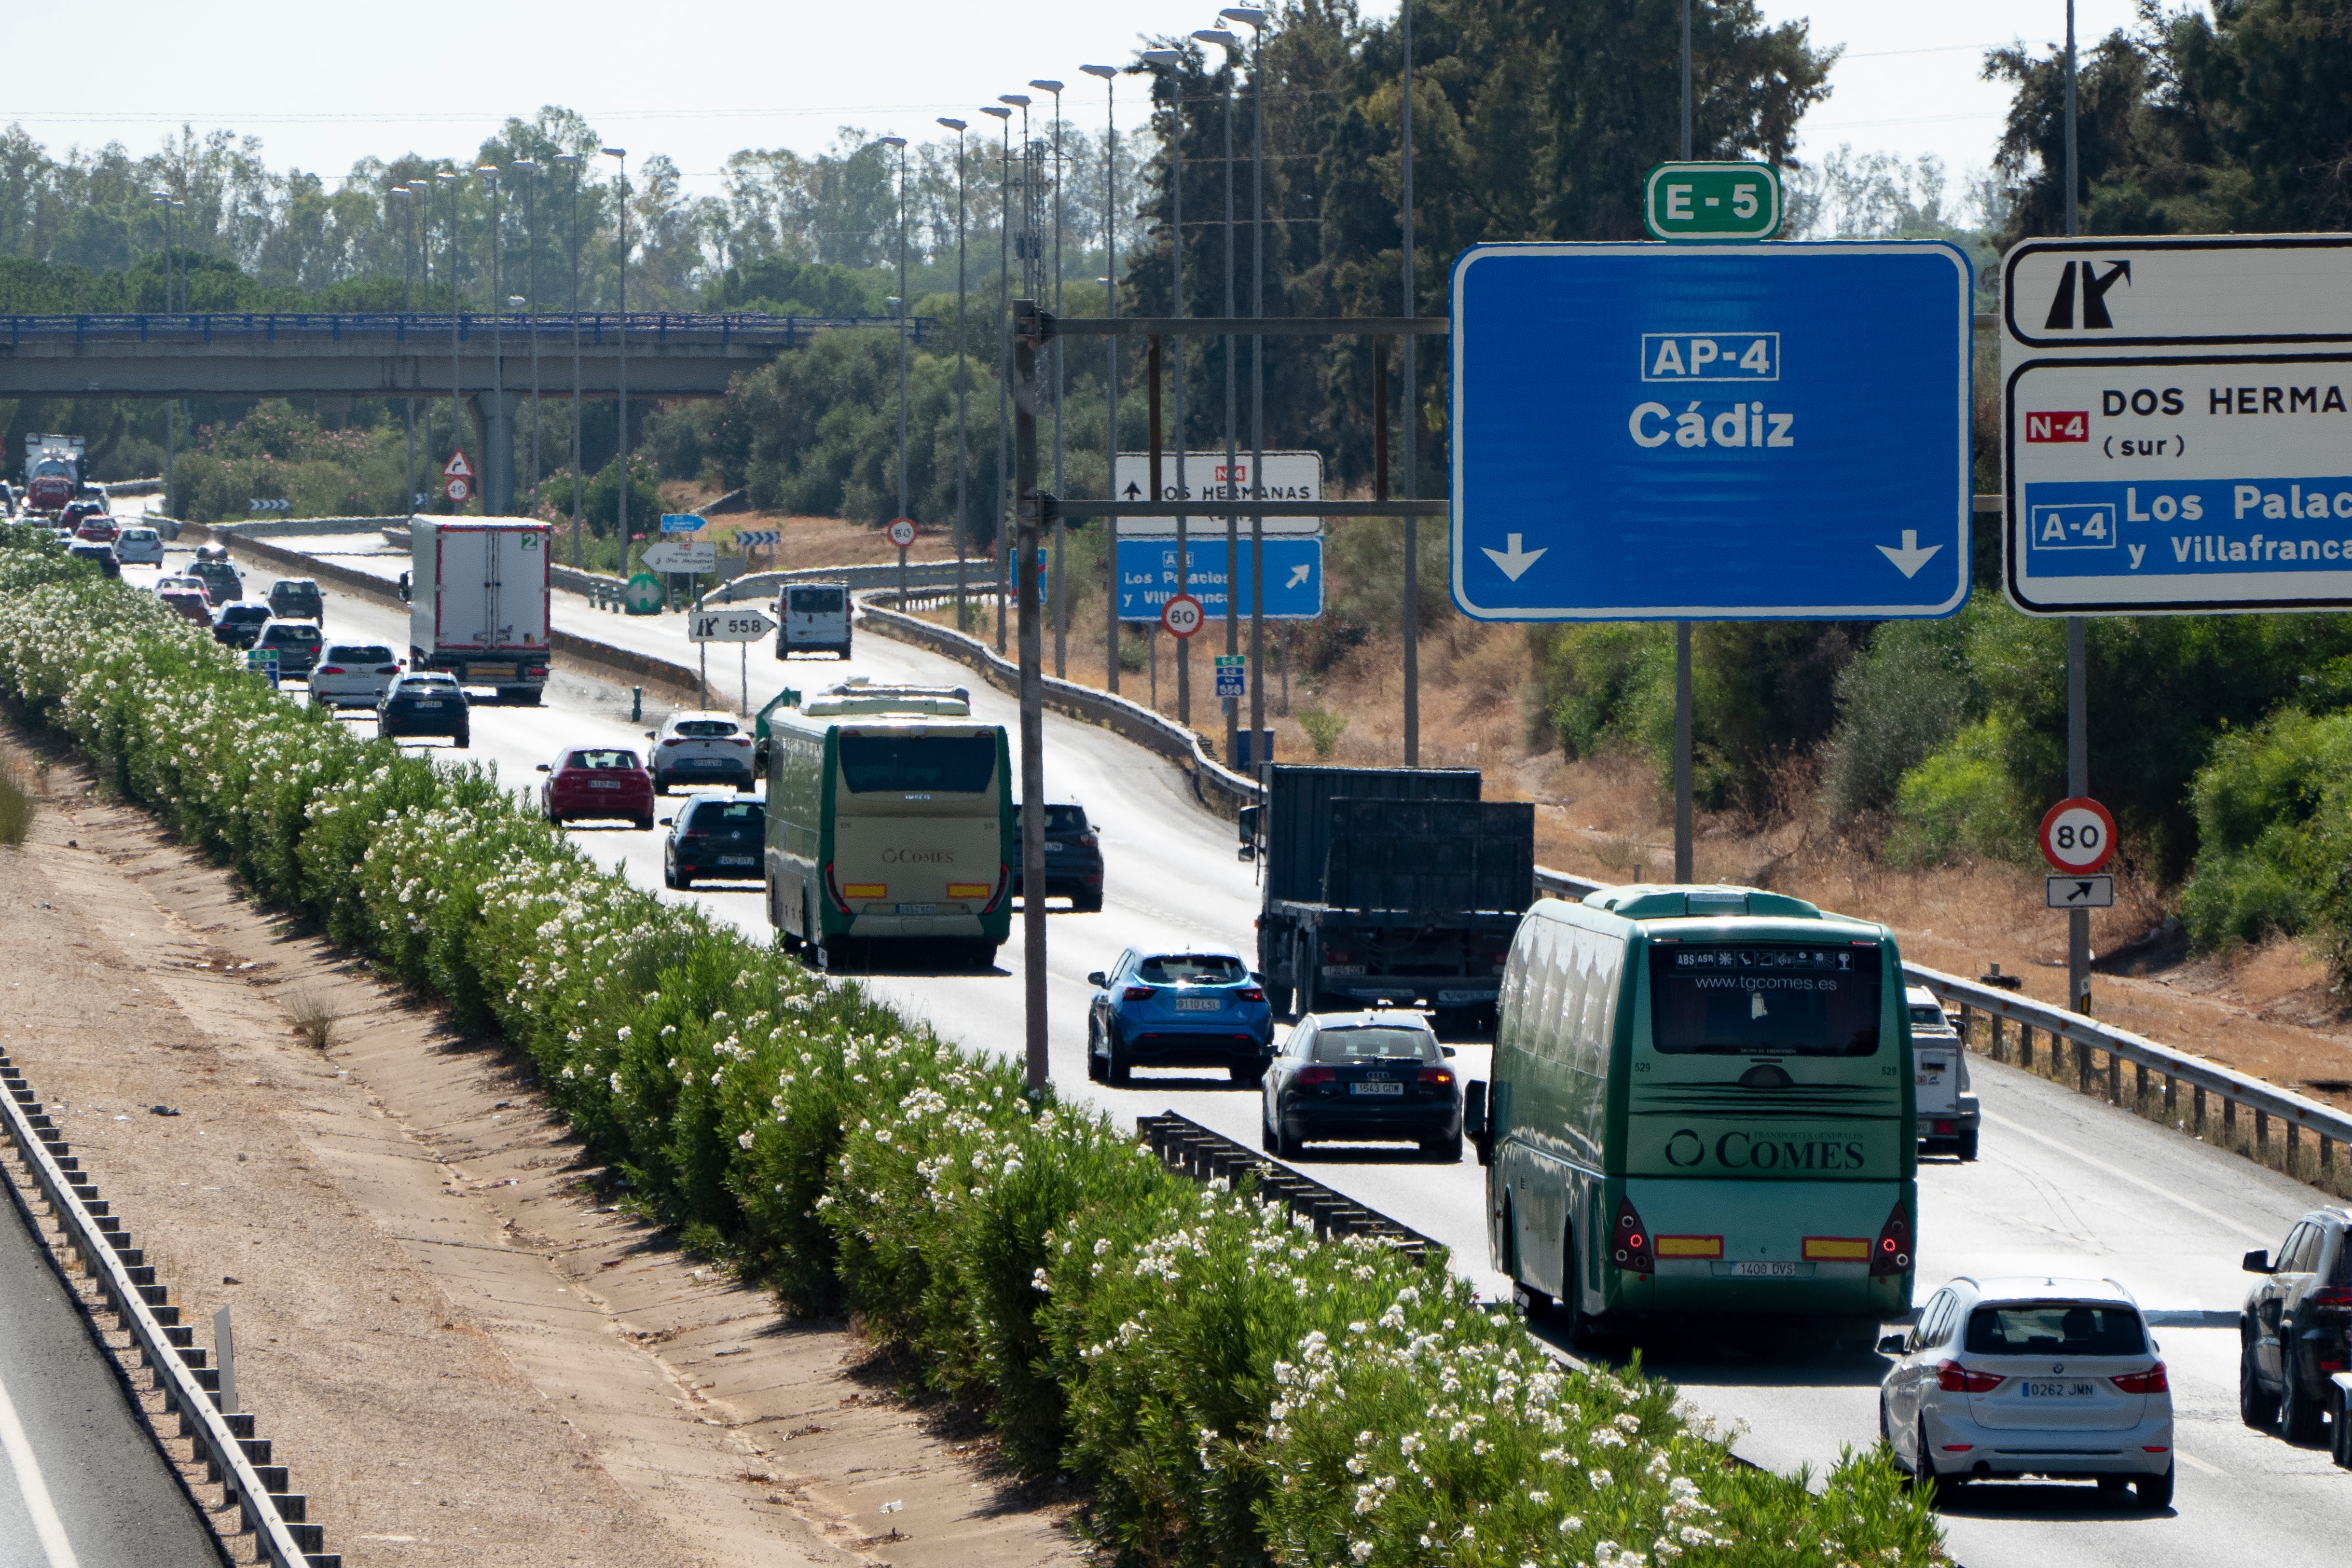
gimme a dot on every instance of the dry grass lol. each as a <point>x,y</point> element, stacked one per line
<point>17,805</point>
<point>312,1016</point>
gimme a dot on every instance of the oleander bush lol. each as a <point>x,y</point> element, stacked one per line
<point>1232,1390</point>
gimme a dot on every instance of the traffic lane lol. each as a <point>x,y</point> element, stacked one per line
<point>89,1472</point>
<point>1171,879</point>
<point>2064,1185</point>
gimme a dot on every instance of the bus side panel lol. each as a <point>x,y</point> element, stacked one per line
<point>794,812</point>
<point>996,923</point>
<point>831,920</point>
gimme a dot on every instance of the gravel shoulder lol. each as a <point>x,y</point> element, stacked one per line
<point>464,1352</point>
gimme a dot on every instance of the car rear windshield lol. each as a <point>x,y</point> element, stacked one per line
<point>730,815</point>
<point>1375,1043</point>
<point>244,613</point>
<point>1066,819</point>
<point>816,601</point>
<point>603,758</point>
<point>1754,999</point>
<point>706,728</point>
<point>434,684</point>
<point>1193,969</point>
<point>1928,1018</point>
<point>950,764</point>
<point>293,634</point>
<point>359,653</point>
<point>2056,1328</point>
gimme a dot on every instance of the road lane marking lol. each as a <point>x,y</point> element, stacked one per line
<point>2069,1149</point>
<point>47,1525</point>
<point>2194,1463</point>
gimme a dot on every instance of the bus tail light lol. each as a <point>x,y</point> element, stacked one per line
<point>2152,1381</point>
<point>1003,882</point>
<point>833,889</point>
<point>1629,1245</point>
<point>1891,1254</point>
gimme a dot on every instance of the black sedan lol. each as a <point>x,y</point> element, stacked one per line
<point>1377,1075</point>
<point>238,625</point>
<point>1073,858</point>
<point>715,836</point>
<point>425,705</point>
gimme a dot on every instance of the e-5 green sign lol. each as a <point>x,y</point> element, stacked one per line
<point>1712,201</point>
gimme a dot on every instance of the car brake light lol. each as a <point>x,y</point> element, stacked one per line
<point>1249,993</point>
<point>2330,1296</point>
<point>1630,1245</point>
<point>1954,1378</point>
<point>1316,1075</point>
<point>674,741</point>
<point>739,740</point>
<point>329,669</point>
<point>1136,994</point>
<point>1333,955</point>
<point>1892,1254</point>
<point>387,670</point>
<point>1439,1076</point>
<point>2152,1381</point>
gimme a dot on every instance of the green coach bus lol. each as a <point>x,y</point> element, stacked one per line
<point>890,818</point>
<point>1701,1104</point>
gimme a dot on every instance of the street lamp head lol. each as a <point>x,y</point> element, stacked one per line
<point>1046,84</point>
<point>1017,99</point>
<point>528,166</point>
<point>418,187</point>
<point>1105,72</point>
<point>1161,56</point>
<point>613,152</point>
<point>889,140</point>
<point>1247,16</point>
<point>514,301</point>
<point>487,170</point>
<point>1232,41</point>
<point>955,125</point>
<point>445,174</point>
<point>567,157</point>
<point>999,113</point>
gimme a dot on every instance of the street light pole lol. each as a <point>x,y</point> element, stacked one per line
<point>899,307</point>
<point>529,167</point>
<point>1174,61</point>
<point>457,438</point>
<point>1061,529</point>
<point>573,239</point>
<point>1109,76</point>
<point>1232,45</point>
<point>963,449</point>
<point>171,410</point>
<point>407,306</point>
<point>420,210</point>
<point>1253,18</point>
<point>1003,511</point>
<point>497,467</point>
<point>2078,643</point>
<point>621,156</point>
<point>1411,418</point>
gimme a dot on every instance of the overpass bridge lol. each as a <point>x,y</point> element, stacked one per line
<point>483,358</point>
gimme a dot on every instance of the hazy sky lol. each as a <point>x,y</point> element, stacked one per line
<point>325,85</point>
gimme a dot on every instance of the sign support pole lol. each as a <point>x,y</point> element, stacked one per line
<point>1033,736</point>
<point>2078,652</point>
<point>1682,628</point>
<point>1412,628</point>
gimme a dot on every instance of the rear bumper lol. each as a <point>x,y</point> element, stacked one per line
<point>602,804</point>
<point>1440,992</point>
<point>1322,1119</point>
<point>1176,1045</point>
<point>892,926</point>
<point>2005,1452</point>
<point>707,864</point>
<point>1944,1128</point>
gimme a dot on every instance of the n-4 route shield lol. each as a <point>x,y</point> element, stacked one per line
<point>1711,431</point>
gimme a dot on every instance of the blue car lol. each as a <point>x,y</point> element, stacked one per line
<point>1184,1007</point>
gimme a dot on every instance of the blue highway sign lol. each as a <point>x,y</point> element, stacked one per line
<point>680,522</point>
<point>1711,431</point>
<point>1294,576</point>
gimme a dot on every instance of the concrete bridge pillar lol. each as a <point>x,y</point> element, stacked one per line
<point>494,415</point>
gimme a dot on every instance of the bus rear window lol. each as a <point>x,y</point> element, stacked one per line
<point>950,765</point>
<point>1721,999</point>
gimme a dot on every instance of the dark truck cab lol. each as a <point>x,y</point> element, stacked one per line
<point>1387,887</point>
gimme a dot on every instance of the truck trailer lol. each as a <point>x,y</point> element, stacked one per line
<point>477,602</point>
<point>54,470</point>
<point>1387,887</point>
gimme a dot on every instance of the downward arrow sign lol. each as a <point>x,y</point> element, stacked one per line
<point>1515,560</point>
<point>1907,560</point>
<point>1298,574</point>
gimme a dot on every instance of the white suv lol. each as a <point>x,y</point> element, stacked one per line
<point>2041,1376</point>
<point>353,674</point>
<point>139,545</point>
<point>700,751</point>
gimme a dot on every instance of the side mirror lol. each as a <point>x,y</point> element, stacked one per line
<point>1893,1345</point>
<point>2258,1261</point>
<point>1249,817</point>
<point>1096,979</point>
<point>667,820</point>
<point>546,767</point>
<point>649,734</point>
<point>1448,1051</point>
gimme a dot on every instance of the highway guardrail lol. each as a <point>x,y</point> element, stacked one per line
<point>283,1534</point>
<point>1206,1155</point>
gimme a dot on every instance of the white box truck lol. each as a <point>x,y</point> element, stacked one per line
<point>477,607</point>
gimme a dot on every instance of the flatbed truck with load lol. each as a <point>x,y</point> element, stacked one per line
<point>477,602</point>
<point>1387,887</point>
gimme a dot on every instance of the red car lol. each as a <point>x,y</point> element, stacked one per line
<point>99,528</point>
<point>78,512</point>
<point>189,603</point>
<point>596,782</point>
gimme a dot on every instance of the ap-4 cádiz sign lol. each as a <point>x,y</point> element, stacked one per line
<point>1711,431</point>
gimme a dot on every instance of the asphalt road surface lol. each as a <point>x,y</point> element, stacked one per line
<point>2065,1184</point>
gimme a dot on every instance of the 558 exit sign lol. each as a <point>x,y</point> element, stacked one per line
<point>1712,201</point>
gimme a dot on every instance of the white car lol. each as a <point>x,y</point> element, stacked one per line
<point>353,674</point>
<point>1949,1116</point>
<point>2035,1375</point>
<point>701,751</point>
<point>139,545</point>
<point>813,617</point>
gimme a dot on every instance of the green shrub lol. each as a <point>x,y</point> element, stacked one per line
<point>1963,801</point>
<point>2274,838</point>
<point>1906,696</point>
<point>1232,1390</point>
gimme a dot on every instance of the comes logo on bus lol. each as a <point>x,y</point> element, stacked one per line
<point>1736,1150</point>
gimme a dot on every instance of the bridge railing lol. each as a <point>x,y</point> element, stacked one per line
<point>596,328</point>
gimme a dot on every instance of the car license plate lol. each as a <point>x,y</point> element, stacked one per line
<point>1053,847</point>
<point>903,909</point>
<point>1199,1004</point>
<point>1755,1269</point>
<point>1343,969</point>
<point>1376,1088</point>
<point>427,707</point>
<point>1453,998</point>
<point>2057,1390</point>
<point>738,860</point>
<point>604,783</point>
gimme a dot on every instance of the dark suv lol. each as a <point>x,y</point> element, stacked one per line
<point>716,836</point>
<point>297,599</point>
<point>222,585</point>
<point>2292,1331</point>
<point>1073,861</point>
<point>238,624</point>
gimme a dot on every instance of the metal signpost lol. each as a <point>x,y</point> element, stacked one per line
<point>902,538</point>
<point>1711,431</point>
<point>2174,424</point>
<point>742,628</point>
<point>1148,577</point>
<point>1712,201</point>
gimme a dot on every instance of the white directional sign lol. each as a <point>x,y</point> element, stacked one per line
<point>2079,892</point>
<point>702,555</point>
<point>2178,424</point>
<point>742,624</point>
<point>1289,476</point>
<point>747,537</point>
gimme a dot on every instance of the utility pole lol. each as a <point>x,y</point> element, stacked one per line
<point>572,236</point>
<point>1232,45</point>
<point>1255,19</point>
<point>1109,75</point>
<point>1002,510</point>
<point>964,452</point>
<point>622,498</point>
<point>457,431</point>
<point>1032,737</point>
<point>1061,532</point>
<point>1174,62</point>
<point>2078,649</point>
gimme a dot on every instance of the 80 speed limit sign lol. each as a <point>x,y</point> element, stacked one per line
<point>2077,835</point>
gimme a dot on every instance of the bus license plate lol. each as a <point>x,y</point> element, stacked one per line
<point>903,909</point>
<point>1376,1088</point>
<point>2058,1390</point>
<point>1752,1269</point>
<point>1198,1005</point>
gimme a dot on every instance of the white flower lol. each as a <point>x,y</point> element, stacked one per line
<point>1572,1524</point>
<point>1599,1478</point>
<point>1361,1551</point>
<point>743,1140</point>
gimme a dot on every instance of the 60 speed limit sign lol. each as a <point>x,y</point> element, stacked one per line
<point>2077,835</point>
<point>1182,615</point>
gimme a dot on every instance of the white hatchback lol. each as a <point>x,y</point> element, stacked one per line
<point>139,546</point>
<point>353,674</point>
<point>700,751</point>
<point>2042,1376</point>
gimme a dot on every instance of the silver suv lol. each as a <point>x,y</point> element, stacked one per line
<point>1948,1114</point>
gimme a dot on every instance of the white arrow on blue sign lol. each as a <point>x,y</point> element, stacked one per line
<point>1711,431</point>
<point>1294,576</point>
<point>680,522</point>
